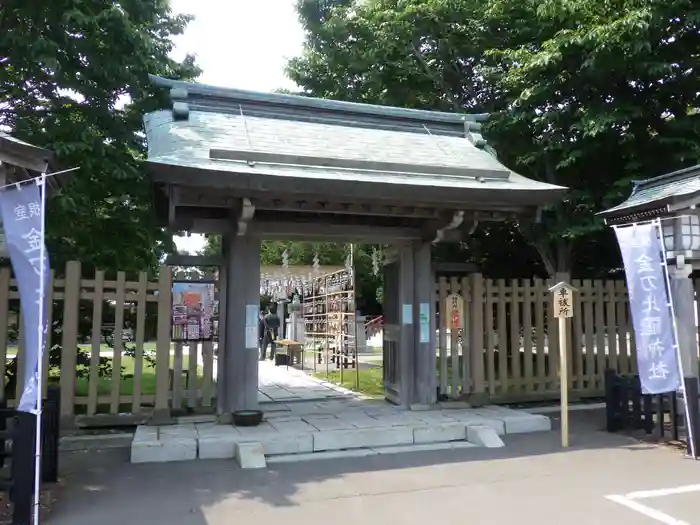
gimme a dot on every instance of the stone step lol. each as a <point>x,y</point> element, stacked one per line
<point>358,453</point>
<point>316,434</point>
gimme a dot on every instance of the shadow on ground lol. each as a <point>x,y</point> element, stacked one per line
<point>103,487</point>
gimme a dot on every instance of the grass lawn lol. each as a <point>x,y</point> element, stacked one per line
<point>126,387</point>
<point>371,382</point>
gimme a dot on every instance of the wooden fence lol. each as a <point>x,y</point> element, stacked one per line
<point>126,363</point>
<point>109,346</point>
<point>512,321</point>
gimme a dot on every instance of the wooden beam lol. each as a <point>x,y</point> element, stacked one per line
<point>179,259</point>
<point>264,157</point>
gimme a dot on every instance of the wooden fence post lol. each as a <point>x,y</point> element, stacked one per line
<point>476,332</point>
<point>161,412</point>
<point>69,341</point>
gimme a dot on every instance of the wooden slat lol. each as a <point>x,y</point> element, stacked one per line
<point>442,332</point>
<point>140,340</point>
<point>177,377</point>
<point>577,338</point>
<point>69,339</point>
<point>623,362</point>
<point>611,325</point>
<point>502,337</point>
<point>48,315</point>
<point>163,343</point>
<point>599,312</point>
<point>207,373</point>
<point>540,297</point>
<point>589,334</point>
<point>528,368</point>
<point>19,358</point>
<point>476,323</point>
<point>467,379</point>
<point>490,344</point>
<point>192,382</point>
<point>552,382</point>
<point>516,355</point>
<point>115,386</point>
<point>4,317</point>
<point>95,342</point>
<point>454,346</point>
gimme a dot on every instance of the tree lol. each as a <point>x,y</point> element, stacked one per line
<point>606,99</point>
<point>74,79</point>
<point>583,94</point>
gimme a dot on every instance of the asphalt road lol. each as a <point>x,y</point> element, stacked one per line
<point>531,481</point>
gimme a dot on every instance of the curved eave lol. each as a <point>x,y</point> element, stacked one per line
<point>632,216</point>
<point>444,192</point>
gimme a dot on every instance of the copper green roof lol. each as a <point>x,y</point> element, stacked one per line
<point>240,134</point>
<point>657,196</point>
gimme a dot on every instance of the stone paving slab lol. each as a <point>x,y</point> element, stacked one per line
<point>331,426</point>
<point>279,384</point>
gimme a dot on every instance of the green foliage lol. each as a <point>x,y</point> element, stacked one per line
<point>583,94</point>
<point>74,79</point>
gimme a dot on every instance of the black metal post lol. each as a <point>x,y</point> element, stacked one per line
<point>23,468</point>
<point>691,393</point>
<point>611,400</point>
<point>50,435</point>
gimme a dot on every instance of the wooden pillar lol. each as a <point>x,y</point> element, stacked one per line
<point>425,391</point>
<point>240,371</point>
<point>161,412</point>
<point>407,317</point>
<point>476,333</point>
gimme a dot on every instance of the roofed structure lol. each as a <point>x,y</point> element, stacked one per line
<point>661,196</point>
<point>290,159</point>
<point>20,161</point>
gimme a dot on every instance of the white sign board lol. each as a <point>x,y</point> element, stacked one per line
<point>562,300</point>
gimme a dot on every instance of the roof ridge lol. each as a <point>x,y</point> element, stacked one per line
<point>666,178</point>
<point>182,90</point>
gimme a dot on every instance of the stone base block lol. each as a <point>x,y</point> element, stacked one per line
<point>161,451</point>
<point>362,438</point>
<point>531,423</point>
<point>217,447</point>
<point>484,436</point>
<point>288,444</point>
<point>250,455</point>
<point>439,433</point>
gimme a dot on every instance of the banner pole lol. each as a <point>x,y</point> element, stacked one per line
<point>40,361</point>
<point>686,406</point>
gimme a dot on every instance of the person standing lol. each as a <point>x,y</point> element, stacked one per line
<point>261,329</point>
<point>271,327</point>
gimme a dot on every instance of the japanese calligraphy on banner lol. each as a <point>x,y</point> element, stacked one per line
<point>652,317</point>
<point>22,210</point>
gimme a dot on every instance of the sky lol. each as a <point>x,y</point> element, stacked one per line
<point>242,44</point>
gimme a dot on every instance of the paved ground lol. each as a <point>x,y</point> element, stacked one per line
<point>281,384</point>
<point>530,482</point>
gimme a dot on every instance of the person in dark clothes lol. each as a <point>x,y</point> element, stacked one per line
<point>261,328</point>
<point>271,326</point>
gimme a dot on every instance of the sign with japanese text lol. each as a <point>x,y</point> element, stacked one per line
<point>194,309</point>
<point>563,300</point>
<point>22,210</point>
<point>454,312</point>
<point>652,318</point>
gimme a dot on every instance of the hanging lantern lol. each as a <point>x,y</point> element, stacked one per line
<point>316,264</point>
<point>285,259</point>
